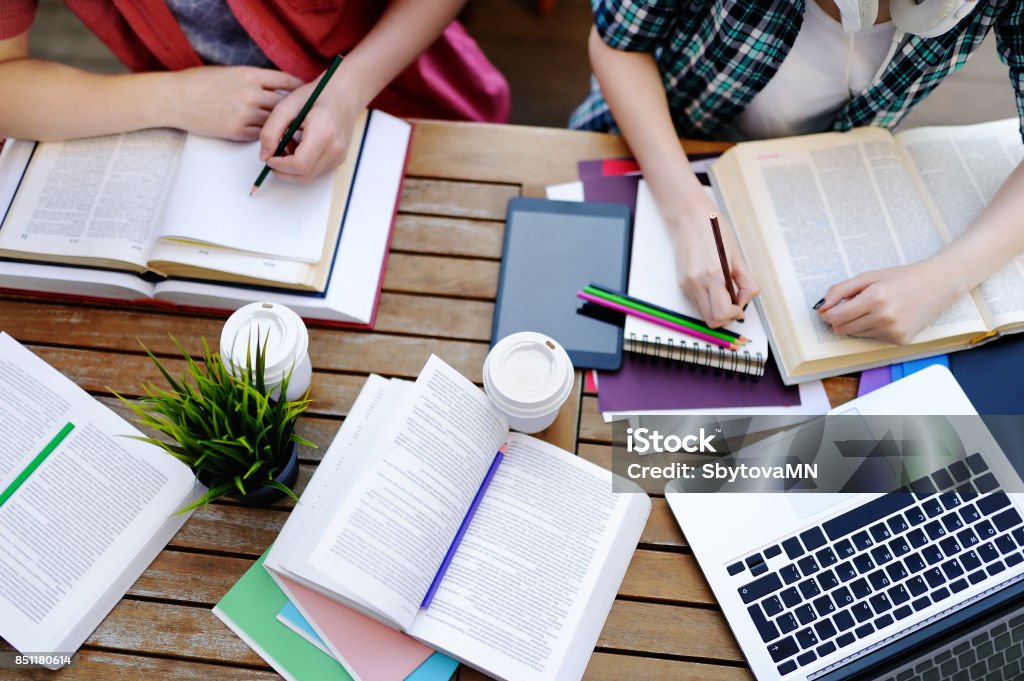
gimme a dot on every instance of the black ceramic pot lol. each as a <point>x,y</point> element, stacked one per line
<point>267,495</point>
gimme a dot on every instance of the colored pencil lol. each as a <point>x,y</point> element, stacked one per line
<point>664,313</point>
<point>603,302</point>
<point>723,259</point>
<point>294,127</point>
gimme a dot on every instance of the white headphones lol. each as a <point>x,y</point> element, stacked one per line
<point>925,18</point>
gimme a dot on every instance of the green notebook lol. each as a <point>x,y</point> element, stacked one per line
<point>250,610</point>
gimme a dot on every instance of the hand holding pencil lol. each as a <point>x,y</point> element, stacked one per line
<point>319,117</point>
<point>700,268</point>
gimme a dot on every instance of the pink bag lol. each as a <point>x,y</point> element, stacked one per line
<point>452,80</point>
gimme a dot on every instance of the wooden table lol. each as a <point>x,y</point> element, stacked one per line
<point>438,297</point>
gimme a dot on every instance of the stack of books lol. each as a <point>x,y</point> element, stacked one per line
<point>669,371</point>
<point>160,216</point>
<point>428,526</point>
<point>809,212</point>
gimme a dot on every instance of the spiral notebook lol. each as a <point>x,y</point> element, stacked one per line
<point>652,277</point>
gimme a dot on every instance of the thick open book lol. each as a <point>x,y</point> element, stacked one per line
<point>816,210</point>
<point>100,218</point>
<point>534,576</point>
<point>84,509</point>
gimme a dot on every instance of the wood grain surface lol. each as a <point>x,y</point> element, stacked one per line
<point>438,298</point>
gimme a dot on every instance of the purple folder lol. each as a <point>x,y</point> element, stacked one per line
<point>648,383</point>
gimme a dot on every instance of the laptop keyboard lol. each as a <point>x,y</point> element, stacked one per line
<point>868,568</point>
<point>988,655</point>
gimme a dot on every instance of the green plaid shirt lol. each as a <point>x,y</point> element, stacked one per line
<point>715,55</point>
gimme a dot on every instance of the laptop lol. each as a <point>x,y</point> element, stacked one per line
<point>921,583</point>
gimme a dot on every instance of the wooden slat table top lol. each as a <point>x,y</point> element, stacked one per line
<point>438,298</point>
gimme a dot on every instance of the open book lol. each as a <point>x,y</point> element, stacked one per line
<point>83,509</point>
<point>175,204</point>
<point>343,286</point>
<point>816,210</point>
<point>534,576</point>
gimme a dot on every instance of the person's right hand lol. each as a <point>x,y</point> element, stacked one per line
<point>228,102</point>
<point>699,269</point>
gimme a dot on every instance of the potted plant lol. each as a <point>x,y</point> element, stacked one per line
<point>227,428</point>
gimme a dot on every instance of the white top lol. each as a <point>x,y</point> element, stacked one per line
<point>823,70</point>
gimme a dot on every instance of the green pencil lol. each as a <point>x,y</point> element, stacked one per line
<point>294,127</point>
<point>628,301</point>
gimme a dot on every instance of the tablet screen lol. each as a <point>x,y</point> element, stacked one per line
<point>552,250</point>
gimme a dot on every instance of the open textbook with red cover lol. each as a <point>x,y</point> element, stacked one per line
<point>161,216</point>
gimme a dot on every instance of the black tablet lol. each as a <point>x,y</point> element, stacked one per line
<point>552,250</point>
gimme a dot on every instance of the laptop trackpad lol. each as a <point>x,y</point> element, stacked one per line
<point>810,504</point>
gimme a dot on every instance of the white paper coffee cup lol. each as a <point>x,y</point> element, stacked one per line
<point>287,344</point>
<point>529,377</point>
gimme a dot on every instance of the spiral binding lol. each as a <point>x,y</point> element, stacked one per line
<point>699,355</point>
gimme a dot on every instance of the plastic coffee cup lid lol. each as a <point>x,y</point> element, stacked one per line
<point>528,374</point>
<point>283,332</point>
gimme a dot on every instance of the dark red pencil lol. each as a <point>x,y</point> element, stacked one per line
<point>723,259</point>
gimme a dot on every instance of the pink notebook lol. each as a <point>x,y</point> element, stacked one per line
<point>367,649</point>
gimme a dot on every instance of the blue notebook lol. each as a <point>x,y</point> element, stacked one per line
<point>992,375</point>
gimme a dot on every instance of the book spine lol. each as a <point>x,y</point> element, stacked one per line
<point>698,354</point>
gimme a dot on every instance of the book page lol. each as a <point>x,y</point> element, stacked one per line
<point>210,203</point>
<point>73,524</point>
<point>518,588</point>
<point>836,205</point>
<point>963,167</point>
<point>345,459</point>
<point>100,197</point>
<point>388,538</point>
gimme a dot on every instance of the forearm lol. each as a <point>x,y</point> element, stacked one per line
<point>994,239</point>
<point>48,101</point>
<point>633,88</point>
<point>404,31</point>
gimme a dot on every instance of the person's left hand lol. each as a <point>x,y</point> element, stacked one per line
<point>320,144</point>
<point>893,304</point>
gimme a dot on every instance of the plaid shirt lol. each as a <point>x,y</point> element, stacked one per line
<point>715,55</point>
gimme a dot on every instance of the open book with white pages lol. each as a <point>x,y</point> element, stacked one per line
<point>508,562</point>
<point>159,216</point>
<point>815,210</point>
<point>84,507</point>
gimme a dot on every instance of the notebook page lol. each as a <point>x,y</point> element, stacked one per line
<point>652,277</point>
<point>209,202</point>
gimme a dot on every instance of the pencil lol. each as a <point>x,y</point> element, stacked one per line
<point>723,259</point>
<point>603,302</point>
<point>294,127</point>
<point>664,313</point>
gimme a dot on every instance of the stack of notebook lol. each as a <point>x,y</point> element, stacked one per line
<point>430,526</point>
<point>261,613</point>
<point>667,371</point>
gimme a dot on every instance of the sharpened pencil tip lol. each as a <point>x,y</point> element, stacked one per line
<point>253,190</point>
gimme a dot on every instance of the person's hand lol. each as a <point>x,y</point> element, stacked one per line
<point>893,304</point>
<point>322,140</point>
<point>699,270</point>
<point>229,102</point>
